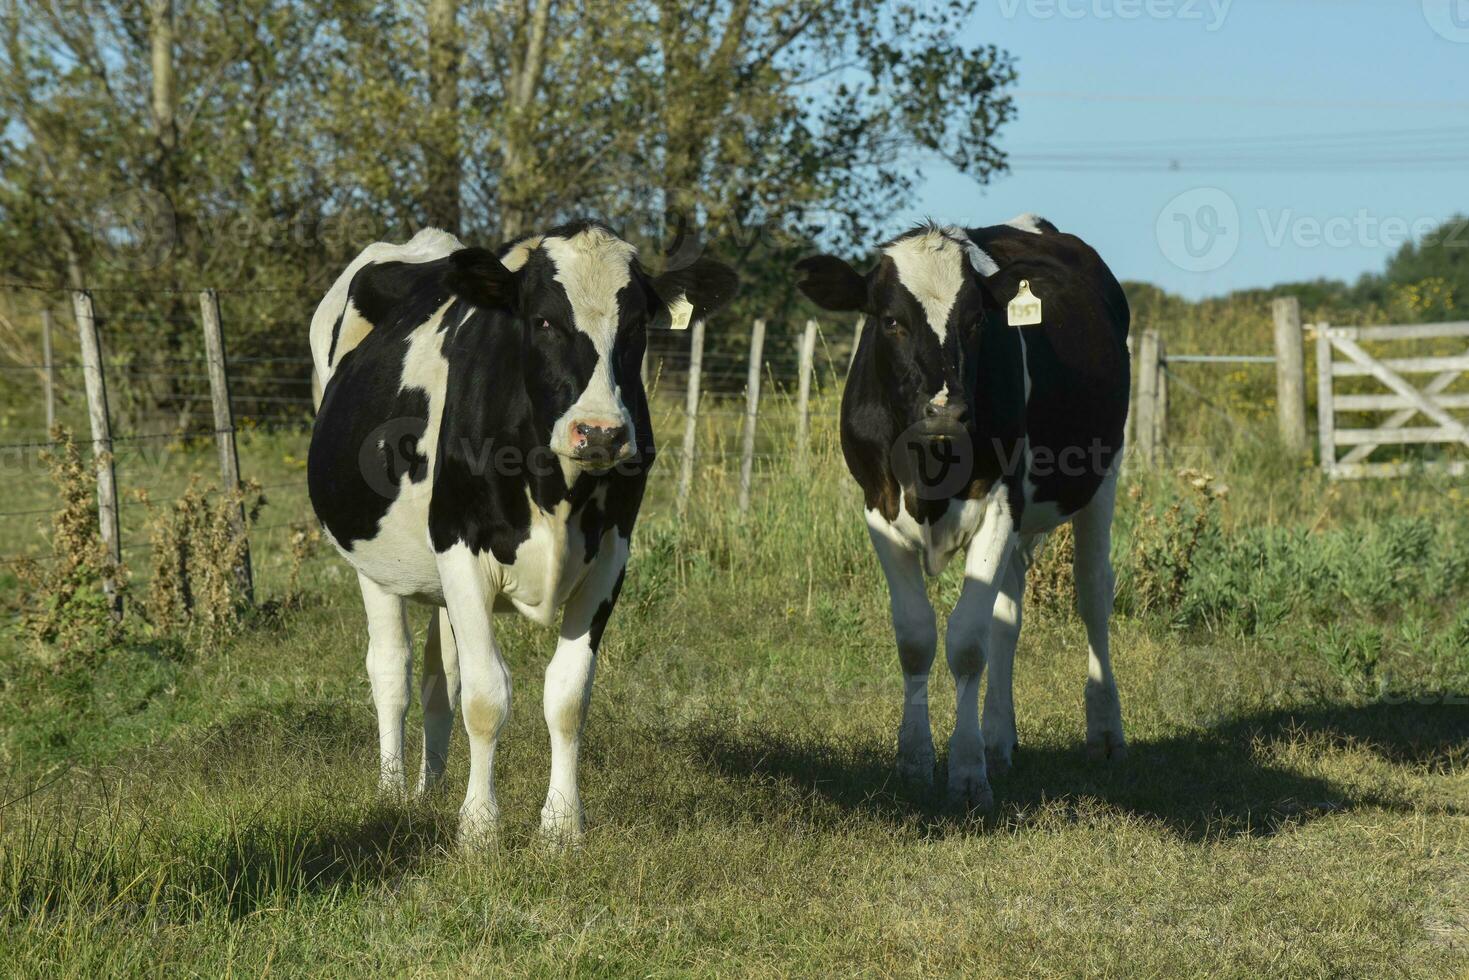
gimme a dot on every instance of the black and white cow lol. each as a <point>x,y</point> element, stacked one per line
<point>482,441</point>
<point>967,433</point>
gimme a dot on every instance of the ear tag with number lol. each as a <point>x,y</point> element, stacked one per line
<point>1025,308</point>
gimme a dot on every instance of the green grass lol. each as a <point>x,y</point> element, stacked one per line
<point>1296,801</point>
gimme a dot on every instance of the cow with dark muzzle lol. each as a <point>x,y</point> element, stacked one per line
<point>482,442</point>
<point>985,407</point>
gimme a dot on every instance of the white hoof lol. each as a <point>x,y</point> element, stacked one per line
<point>969,789</point>
<point>1104,739</point>
<point>915,763</point>
<point>562,826</point>
<point>478,826</point>
<point>1106,747</point>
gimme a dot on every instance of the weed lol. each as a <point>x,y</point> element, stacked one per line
<point>67,610</point>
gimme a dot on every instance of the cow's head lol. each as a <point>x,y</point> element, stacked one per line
<point>585,305</point>
<point>924,302</point>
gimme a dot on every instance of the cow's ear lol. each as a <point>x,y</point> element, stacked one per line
<point>832,284</point>
<point>985,271</point>
<point>692,293</point>
<point>477,276</point>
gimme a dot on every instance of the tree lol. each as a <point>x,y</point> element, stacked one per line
<point>256,145</point>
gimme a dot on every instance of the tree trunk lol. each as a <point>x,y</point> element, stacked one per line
<point>441,149</point>
<point>165,96</point>
<point>521,89</point>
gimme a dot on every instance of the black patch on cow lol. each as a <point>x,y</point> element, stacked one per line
<point>604,612</point>
<point>1077,363</point>
<point>331,352</point>
<point>365,435</point>
<point>704,283</point>
<point>477,276</point>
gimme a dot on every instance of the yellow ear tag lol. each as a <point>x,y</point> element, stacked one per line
<point>1025,308</point>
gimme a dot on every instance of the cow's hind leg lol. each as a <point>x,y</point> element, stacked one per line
<point>438,692</point>
<point>964,641</point>
<point>485,686</point>
<point>917,636</point>
<point>998,723</point>
<point>568,689</point>
<point>1092,527</point>
<point>390,671</point>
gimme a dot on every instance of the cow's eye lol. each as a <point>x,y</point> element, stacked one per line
<point>891,323</point>
<point>543,324</point>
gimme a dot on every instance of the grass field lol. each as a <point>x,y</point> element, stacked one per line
<point>1294,666</point>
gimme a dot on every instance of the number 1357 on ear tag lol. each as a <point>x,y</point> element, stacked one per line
<point>1025,308</point>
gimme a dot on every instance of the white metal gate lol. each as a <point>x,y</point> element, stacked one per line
<point>1428,405</point>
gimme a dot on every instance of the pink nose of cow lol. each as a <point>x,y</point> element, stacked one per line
<point>599,440</point>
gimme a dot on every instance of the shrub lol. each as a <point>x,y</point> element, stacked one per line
<point>68,611</point>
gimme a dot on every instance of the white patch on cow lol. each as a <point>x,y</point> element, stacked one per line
<point>1027,222</point>
<point>427,245</point>
<point>930,265</point>
<point>941,400</point>
<point>935,542</point>
<point>519,253</point>
<point>593,266</point>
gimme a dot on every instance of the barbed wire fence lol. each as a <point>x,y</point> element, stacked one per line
<point>145,423</point>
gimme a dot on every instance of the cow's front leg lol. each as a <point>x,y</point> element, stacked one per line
<point>998,722</point>
<point>484,685</point>
<point>917,636</point>
<point>438,693</point>
<point>390,672</point>
<point>964,641</point>
<point>568,689</point>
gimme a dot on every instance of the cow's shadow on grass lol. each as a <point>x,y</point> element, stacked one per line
<point>1203,785</point>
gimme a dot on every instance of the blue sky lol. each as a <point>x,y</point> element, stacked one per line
<point>1191,80</point>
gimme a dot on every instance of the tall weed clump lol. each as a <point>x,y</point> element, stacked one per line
<point>66,610</point>
<point>197,543</point>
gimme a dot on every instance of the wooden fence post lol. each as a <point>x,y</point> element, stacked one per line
<point>48,366</point>
<point>101,424</point>
<point>803,392</point>
<point>752,409</point>
<point>1145,427</point>
<point>1160,401</point>
<point>1325,408</point>
<point>691,413</point>
<point>1290,373</point>
<point>224,429</point>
